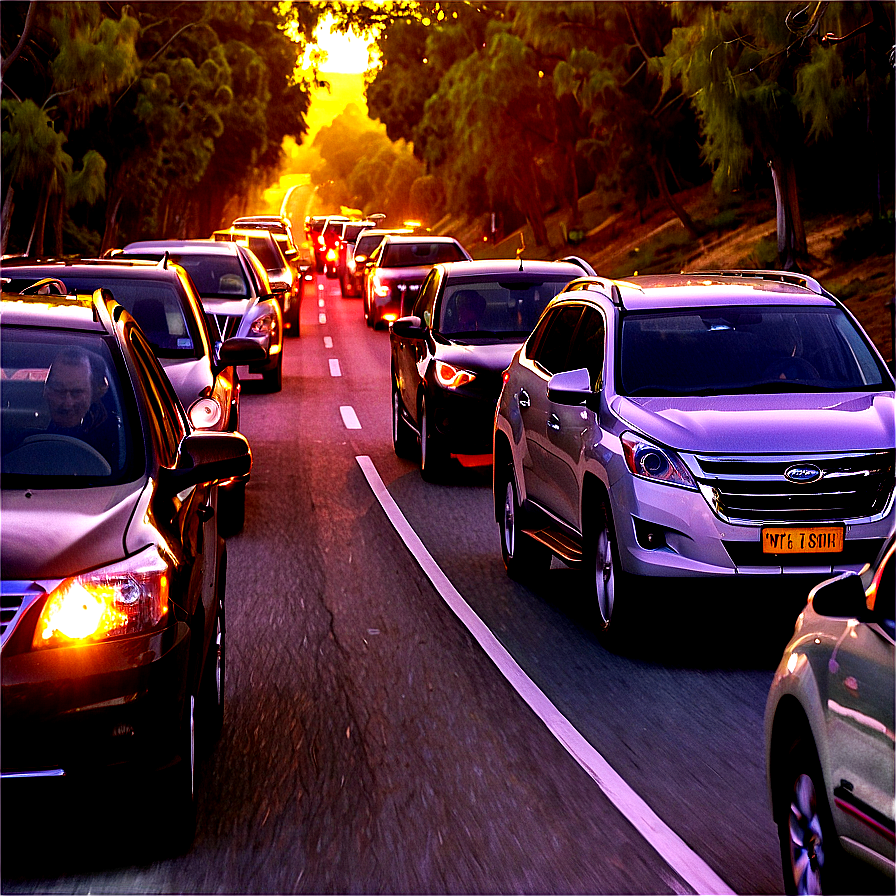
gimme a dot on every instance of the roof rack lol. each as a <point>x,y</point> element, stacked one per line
<point>792,277</point>
<point>609,288</point>
<point>579,262</point>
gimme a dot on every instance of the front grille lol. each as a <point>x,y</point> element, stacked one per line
<point>755,489</point>
<point>227,325</point>
<point>15,598</point>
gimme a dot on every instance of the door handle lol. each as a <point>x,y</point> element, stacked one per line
<point>524,399</point>
<point>554,422</point>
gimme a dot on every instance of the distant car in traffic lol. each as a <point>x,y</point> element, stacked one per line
<point>284,279</point>
<point>234,289</point>
<point>358,257</point>
<point>829,726</point>
<point>201,365</point>
<point>398,268</point>
<point>345,243</point>
<point>465,325</point>
<point>314,228</point>
<point>113,574</point>
<point>724,424</point>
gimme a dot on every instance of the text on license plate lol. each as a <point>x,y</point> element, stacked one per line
<point>811,540</point>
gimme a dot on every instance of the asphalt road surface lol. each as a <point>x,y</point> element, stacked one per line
<point>373,744</point>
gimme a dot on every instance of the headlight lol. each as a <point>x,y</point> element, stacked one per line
<point>262,326</point>
<point>649,461</point>
<point>452,377</point>
<point>382,290</point>
<point>122,599</point>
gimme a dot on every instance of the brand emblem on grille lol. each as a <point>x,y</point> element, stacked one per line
<point>802,473</point>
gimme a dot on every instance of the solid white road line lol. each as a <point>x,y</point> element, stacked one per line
<point>679,856</point>
<point>349,417</point>
<point>334,367</point>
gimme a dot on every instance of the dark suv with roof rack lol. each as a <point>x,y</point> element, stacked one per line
<point>725,424</point>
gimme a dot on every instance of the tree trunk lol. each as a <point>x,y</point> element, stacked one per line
<point>8,207</point>
<point>793,252</point>
<point>36,242</point>
<point>659,166</point>
<point>58,220</point>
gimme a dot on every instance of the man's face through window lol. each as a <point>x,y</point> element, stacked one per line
<point>69,393</point>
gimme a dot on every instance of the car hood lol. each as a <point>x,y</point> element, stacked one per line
<point>56,533</point>
<point>189,377</point>
<point>490,356</point>
<point>746,424</point>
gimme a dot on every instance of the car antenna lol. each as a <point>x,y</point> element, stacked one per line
<point>522,248</point>
<point>165,261</point>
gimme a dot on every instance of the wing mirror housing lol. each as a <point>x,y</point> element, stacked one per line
<point>410,327</point>
<point>570,387</point>
<point>240,350</point>
<point>842,597</point>
<point>207,457</point>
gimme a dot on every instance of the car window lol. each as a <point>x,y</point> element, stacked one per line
<point>68,417</point>
<point>217,276</point>
<point>156,306</point>
<point>166,412</point>
<point>367,245</point>
<point>736,350</point>
<point>587,349</point>
<point>266,252</point>
<point>423,304</point>
<point>512,306</point>
<point>409,255</point>
<point>553,338</point>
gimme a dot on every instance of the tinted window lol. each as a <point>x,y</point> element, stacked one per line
<point>411,255</point>
<point>366,245</point>
<point>218,276</point>
<point>588,347</point>
<point>68,417</point>
<point>155,305</point>
<point>552,341</point>
<point>512,307</point>
<point>425,298</point>
<point>266,251</point>
<point>752,349</point>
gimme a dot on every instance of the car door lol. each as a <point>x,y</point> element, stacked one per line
<point>413,356</point>
<point>569,428</point>
<point>860,723</point>
<point>547,356</point>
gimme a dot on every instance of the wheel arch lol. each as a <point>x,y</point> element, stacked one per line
<point>790,725</point>
<point>501,459</point>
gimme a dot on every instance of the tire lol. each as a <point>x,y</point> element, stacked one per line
<point>211,689</point>
<point>231,509</point>
<point>433,456</point>
<point>524,558</point>
<point>273,379</point>
<point>177,808</point>
<point>404,439</point>
<point>811,857</point>
<point>604,579</point>
<point>295,309</point>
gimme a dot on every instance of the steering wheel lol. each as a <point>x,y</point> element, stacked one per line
<point>52,454</point>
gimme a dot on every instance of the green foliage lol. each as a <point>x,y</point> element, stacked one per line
<point>31,145</point>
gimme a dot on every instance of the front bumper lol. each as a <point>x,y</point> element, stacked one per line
<point>72,711</point>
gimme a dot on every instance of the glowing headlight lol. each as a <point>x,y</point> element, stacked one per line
<point>121,599</point>
<point>452,377</point>
<point>262,326</point>
<point>649,461</point>
<point>382,290</point>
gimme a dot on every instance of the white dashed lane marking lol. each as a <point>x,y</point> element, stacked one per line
<point>335,370</point>
<point>349,417</point>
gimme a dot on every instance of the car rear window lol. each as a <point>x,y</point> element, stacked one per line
<point>411,255</point>
<point>508,307</point>
<point>744,350</point>
<point>215,276</point>
<point>68,417</point>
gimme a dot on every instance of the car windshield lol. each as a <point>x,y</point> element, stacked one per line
<point>67,416</point>
<point>501,308</point>
<point>727,350</point>
<point>413,255</point>
<point>155,306</point>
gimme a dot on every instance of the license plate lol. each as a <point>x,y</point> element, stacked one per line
<point>809,540</point>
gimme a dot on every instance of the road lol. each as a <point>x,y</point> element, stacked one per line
<point>372,744</point>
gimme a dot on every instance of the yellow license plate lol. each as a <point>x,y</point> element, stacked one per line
<point>809,540</point>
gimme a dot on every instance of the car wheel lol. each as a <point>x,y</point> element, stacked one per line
<point>603,576</point>
<point>294,328</point>
<point>404,439</point>
<point>523,556</point>
<point>231,509</point>
<point>178,807</point>
<point>433,457</point>
<point>211,694</point>
<point>273,379</point>
<point>811,857</point>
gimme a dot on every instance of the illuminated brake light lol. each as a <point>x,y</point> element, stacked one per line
<point>452,377</point>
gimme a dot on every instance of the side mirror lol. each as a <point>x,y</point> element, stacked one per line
<point>570,387</point>
<point>207,457</point>
<point>240,350</point>
<point>408,327</point>
<point>841,597</point>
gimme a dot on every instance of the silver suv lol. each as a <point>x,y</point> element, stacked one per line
<point>707,424</point>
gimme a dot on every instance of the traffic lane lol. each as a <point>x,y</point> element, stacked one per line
<point>678,715</point>
<point>416,767</point>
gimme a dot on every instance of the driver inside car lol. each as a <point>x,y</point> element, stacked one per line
<point>74,389</point>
